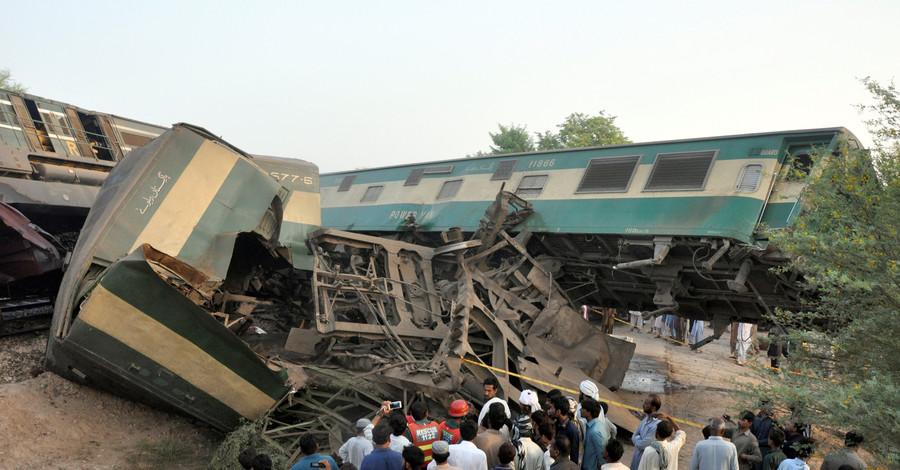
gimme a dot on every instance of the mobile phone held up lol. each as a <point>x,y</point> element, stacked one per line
<point>395,405</point>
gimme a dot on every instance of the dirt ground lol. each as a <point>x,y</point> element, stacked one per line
<point>50,423</point>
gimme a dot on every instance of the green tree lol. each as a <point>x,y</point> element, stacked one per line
<point>582,130</point>
<point>547,140</point>
<point>845,359</point>
<point>7,83</point>
<point>511,139</point>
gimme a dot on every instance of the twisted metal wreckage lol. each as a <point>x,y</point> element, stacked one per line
<point>193,287</point>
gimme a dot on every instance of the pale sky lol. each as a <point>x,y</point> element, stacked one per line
<point>353,84</point>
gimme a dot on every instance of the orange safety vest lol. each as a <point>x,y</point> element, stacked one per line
<point>423,435</point>
<point>451,435</point>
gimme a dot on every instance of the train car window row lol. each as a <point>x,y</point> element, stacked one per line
<point>504,170</point>
<point>749,179</point>
<point>372,193</point>
<point>682,171</point>
<point>449,189</point>
<point>346,183</point>
<point>531,185</point>
<point>608,175</point>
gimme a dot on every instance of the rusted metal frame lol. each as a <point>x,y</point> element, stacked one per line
<point>524,251</point>
<point>387,329</point>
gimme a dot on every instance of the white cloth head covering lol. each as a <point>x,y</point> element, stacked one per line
<point>590,389</point>
<point>530,398</point>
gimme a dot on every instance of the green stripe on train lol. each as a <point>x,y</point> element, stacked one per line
<point>240,202</point>
<point>294,235</point>
<point>149,375</point>
<point>131,221</point>
<point>733,217</point>
<point>729,148</point>
<point>135,282</point>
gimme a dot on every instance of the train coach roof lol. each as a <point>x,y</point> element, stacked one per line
<point>836,130</point>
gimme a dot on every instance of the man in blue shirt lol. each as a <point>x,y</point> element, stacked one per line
<point>382,458</point>
<point>645,433</point>
<point>311,455</point>
<point>594,441</point>
<point>560,412</point>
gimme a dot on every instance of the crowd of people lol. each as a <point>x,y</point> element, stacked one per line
<point>563,433</point>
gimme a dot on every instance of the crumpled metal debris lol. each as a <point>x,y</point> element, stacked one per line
<point>204,310</point>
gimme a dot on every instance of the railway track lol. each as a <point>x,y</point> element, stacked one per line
<point>18,316</point>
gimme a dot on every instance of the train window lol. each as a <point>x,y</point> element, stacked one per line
<point>56,122</point>
<point>749,179</point>
<point>682,171</point>
<point>801,164</point>
<point>608,175</point>
<point>346,183</point>
<point>449,189</point>
<point>372,193</point>
<point>504,170</point>
<point>414,177</point>
<point>7,115</point>
<point>531,185</point>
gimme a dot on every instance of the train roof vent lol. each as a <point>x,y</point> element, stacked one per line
<point>346,183</point>
<point>372,193</point>
<point>608,175</point>
<point>449,189</point>
<point>439,169</point>
<point>749,179</point>
<point>414,177</point>
<point>504,170</point>
<point>683,171</point>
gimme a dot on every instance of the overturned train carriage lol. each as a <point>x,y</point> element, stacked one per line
<point>662,227</point>
<point>53,159</point>
<point>201,283</point>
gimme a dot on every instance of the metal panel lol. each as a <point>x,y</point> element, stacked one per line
<point>504,170</point>
<point>683,171</point>
<point>415,175</point>
<point>607,175</point>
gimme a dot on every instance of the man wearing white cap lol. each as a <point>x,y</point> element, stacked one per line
<point>588,389</point>
<point>357,447</point>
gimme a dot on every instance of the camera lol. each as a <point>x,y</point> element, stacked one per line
<point>317,465</point>
<point>395,405</point>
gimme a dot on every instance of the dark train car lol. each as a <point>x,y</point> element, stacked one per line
<point>53,159</point>
<point>662,227</point>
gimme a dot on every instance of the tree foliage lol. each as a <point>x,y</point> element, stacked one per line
<point>846,353</point>
<point>582,130</point>
<point>578,130</point>
<point>7,83</point>
<point>511,139</point>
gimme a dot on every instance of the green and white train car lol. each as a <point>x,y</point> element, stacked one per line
<point>669,227</point>
<point>141,306</point>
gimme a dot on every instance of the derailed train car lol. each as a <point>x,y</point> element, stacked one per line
<point>53,159</point>
<point>200,283</point>
<point>662,227</point>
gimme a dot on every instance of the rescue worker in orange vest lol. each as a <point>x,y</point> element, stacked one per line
<point>450,428</point>
<point>422,430</point>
